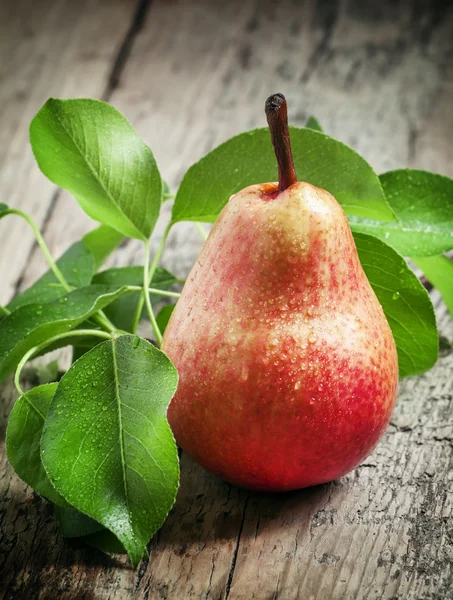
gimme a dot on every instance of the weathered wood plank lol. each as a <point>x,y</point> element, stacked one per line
<point>48,48</point>
<point>377,78</point>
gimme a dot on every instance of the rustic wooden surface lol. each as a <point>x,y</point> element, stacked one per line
<point>188,75</point>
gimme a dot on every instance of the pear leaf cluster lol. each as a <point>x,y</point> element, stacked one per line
<point>97,443</point>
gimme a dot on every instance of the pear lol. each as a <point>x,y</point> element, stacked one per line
<point>287,366</point>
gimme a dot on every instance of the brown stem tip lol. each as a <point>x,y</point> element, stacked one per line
<point>277,117</point>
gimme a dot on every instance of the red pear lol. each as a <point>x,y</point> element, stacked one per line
<point>287,366</point>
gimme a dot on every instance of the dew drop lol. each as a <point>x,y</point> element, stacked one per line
<point>396,295</point>
<point>312,338</point>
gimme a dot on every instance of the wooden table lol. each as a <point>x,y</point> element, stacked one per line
<point>188,75</point>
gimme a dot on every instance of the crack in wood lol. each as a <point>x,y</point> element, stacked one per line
<point>138,20</point>
<point>275,596</point>
<point>208,591</point>
<point>236,550</point>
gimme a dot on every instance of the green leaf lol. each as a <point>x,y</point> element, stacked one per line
<point>167,194</point>
<point>164,316</point>
<point>81,347</point>
<point>76,265</point>
<point>88,148</point>
<point>23,436</point>
<point>423,204</point>
<point>72,523</point>
<point>121,312</point>
<point>105,541</point>
<point>107,446</point>
<point>133,275</point>
<point>249,159</point>
<point>313,123</point>
<point>406,304</point>
<point>439,271</point>
<point>102,241</point>
<point>30,325</point>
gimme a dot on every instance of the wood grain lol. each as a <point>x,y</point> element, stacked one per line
<point>50,48</point>
<point>188,75</point>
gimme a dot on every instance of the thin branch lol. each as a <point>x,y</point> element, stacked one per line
<point>43,345</point>
<point>149,307</point>
<point>42,244</point>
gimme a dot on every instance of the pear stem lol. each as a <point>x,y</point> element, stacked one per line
<point>277,117</point>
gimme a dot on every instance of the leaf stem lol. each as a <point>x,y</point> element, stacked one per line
<point>42,244</point>
<point>154,291</point>
<point>101,319</point>
<point>145,294</point>
<point>55,338</point>
<point>152,269</point>
<point>159,251</point>
<point>203,233</point>
<point>4,310</point>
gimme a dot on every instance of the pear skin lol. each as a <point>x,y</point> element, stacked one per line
<point>287,366</point>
